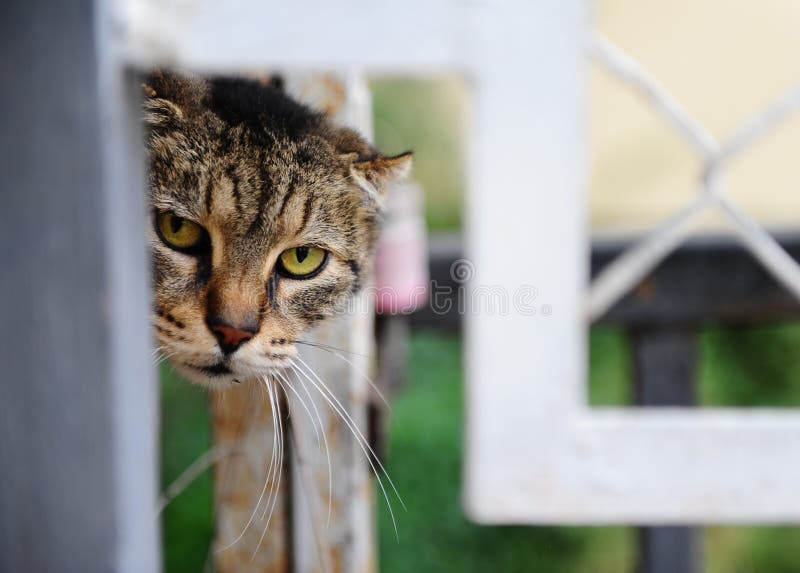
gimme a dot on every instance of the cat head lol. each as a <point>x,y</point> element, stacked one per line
<point>264,220</point>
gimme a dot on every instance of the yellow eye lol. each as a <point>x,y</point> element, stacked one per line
<point>179,233</point>
<point>302,262</point>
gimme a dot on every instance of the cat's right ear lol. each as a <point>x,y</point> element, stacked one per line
<point>377,173</point>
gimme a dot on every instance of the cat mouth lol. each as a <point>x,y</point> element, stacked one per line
<point>233,369</point>
<point>218,369</point>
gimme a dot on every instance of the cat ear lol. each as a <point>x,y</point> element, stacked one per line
<point>159,112</point>
<point>169,96</point>
<point>376,174</point>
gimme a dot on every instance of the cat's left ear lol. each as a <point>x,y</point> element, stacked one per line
<point>377,173</point>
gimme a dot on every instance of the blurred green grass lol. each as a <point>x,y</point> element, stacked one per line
<point>428,117</point>
<point>187,524</point>
<point>757,366</point>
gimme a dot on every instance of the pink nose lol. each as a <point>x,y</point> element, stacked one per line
<point>229,337</point>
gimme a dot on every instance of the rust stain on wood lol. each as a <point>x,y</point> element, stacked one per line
<point>242,416</point>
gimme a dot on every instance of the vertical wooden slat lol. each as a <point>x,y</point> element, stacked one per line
<point>348,539</point>
<point>77,416</point>
<point>246,542</point>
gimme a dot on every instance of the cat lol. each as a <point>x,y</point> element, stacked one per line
<point>265,217</point>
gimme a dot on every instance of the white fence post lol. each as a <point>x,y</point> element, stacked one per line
<point>347,541</point>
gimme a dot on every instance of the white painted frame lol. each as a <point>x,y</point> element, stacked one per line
<point>536,452</point>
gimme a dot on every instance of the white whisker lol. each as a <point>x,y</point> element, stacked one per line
<point>337,407</point>
<point>324,439</point>
<point>329,347</point>
<point>363,439</point>
<point>276,414</point>
<point>284,383</point>
<point>277,450</point>
<point>159,355</point>
<point>191,473</point>
<point>336,352</point>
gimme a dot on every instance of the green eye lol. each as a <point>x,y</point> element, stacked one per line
<point>179,233</point>
<point>302,262</point>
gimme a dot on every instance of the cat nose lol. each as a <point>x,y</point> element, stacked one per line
<point>230,337</point>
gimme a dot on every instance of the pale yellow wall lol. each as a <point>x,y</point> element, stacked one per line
<point>724,60</point>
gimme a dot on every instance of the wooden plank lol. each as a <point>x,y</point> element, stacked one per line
<point>251,488</point>
<point>77,418</point>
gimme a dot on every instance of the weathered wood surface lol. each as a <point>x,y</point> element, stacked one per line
<point>252,529</point>
<point>348,538</point>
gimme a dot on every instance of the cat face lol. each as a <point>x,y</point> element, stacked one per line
<point>264,219</point>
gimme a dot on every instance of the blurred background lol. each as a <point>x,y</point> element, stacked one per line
<point>723,61</point>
